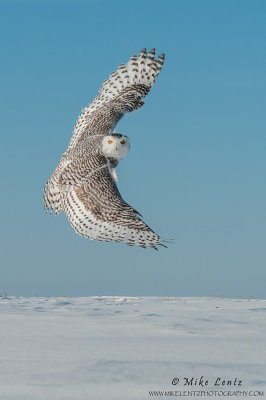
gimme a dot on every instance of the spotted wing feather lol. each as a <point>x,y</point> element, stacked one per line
<point>121,93</point>
<point>97,210</point>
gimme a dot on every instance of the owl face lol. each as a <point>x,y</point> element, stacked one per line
<point>115,146</point>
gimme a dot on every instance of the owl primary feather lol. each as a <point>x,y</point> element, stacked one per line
<point>83,184</point>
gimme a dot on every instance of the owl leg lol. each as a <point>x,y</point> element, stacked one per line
<point>114,174</point>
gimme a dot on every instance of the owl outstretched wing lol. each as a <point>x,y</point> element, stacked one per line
<point>96,210</point>
<point>120,94</point>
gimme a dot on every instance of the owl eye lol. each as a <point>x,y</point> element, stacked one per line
<point>110,141</point>
<point>122,142</point>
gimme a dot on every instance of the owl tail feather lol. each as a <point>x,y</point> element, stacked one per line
<point>52,198</point>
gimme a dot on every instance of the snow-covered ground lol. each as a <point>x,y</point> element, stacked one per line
<point>128,348</point>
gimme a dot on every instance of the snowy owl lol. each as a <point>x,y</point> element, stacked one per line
<point>83,185</point>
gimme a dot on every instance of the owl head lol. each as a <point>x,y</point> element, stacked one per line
<point>115,145</point>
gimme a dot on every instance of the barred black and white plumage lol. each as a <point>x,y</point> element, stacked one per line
<point>83,184</point>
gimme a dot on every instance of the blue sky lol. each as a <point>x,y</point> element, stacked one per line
<point>196,168</point>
